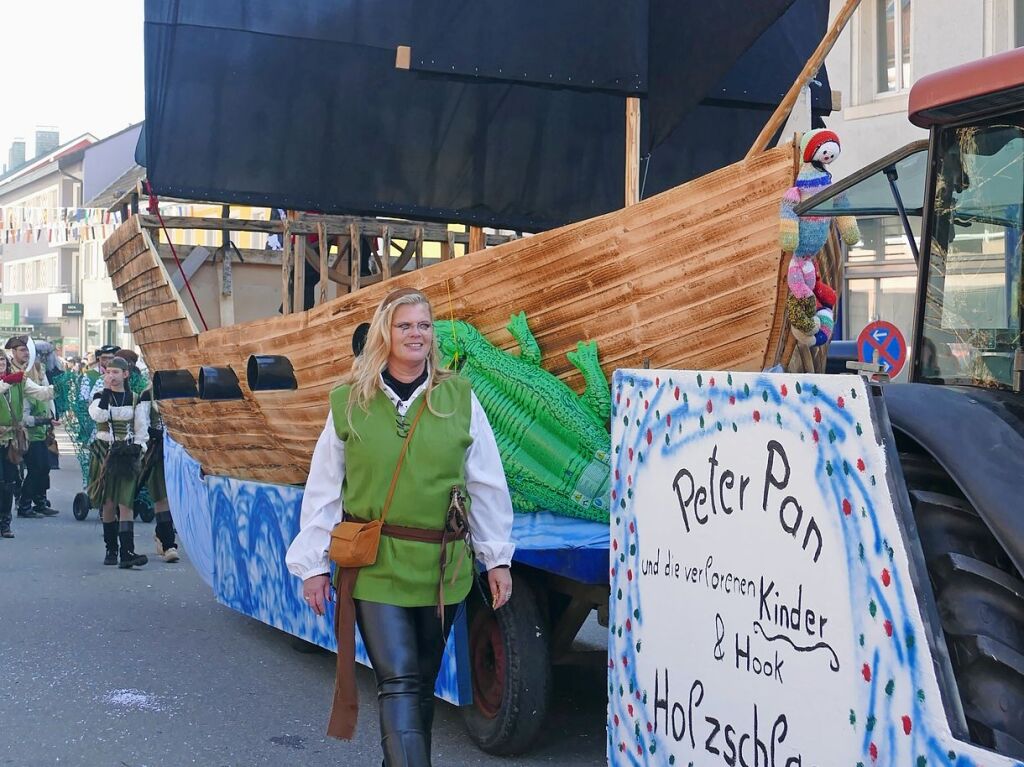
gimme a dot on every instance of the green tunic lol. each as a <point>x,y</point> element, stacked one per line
<point>11,411</point>
<point>406,573</point>
<point>38,410</point>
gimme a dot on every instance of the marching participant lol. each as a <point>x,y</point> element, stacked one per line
<point>39,418</point>
<point>152,471</point>
<point>94,374</point>
<point>14,387</point>
<point>122,429</point>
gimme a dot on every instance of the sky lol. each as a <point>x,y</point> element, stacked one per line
<point>73,64</point>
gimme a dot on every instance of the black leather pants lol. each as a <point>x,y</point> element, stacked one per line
<point>405,645</point>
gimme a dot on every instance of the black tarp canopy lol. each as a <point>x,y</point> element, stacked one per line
<point>300,105</point>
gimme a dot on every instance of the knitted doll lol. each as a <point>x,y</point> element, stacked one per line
<point>811,303</point>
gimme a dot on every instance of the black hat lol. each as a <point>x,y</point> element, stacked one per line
<point>108,349</point>
<point>16,342</point>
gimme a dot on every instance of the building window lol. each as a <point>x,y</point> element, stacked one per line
<point>892,45</point>
<point>92,334</point>
<point>1018,23</point>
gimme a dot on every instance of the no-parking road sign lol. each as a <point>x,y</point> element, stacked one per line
<point>887,342</point>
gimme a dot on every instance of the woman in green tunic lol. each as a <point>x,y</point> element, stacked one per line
<point>395,381</point>
<point>122,428</point>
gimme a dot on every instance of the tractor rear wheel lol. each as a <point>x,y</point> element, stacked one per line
<point>980,599</point>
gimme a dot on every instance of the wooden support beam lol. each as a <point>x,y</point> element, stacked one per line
<point>308,223</point>
<point>418,239</point>
<point>632,150</point>
<point>356,257</point>
<point>248,256</point>
<point>781,114</point>
<point>325,248</point>
<point>227,294</point>
<point>448,247</point>
<point>299,275</point>
<point>403,259</point>
<point>385,253</point>
<point>286,265</point>
<point>477,241</point>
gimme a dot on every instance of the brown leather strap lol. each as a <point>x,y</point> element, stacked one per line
<point>401,457</point>
<point>418,534</point>
<point>345,708</point>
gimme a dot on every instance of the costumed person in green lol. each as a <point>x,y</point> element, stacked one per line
<point>94,374</point>
<point>39,418</point>
<point>122,428</point>
<point>399,402</point>
<point>14,388</point>
<point>152,471</point>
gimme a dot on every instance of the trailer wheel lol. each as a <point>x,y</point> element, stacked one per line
<point>80,507</point>
<point>511,671</point>
<point>980,599</point>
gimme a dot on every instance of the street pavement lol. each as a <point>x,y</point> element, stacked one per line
<point>102,667</point>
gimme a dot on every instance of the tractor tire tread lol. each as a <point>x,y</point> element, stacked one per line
<point>980,599</point>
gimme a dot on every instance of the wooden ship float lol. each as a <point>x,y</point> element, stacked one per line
<point>690,278</point>
<point>687,279</point>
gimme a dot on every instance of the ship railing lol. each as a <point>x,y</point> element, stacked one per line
<point>346,253</point>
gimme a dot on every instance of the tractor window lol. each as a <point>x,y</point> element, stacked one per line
<point>972,303</point>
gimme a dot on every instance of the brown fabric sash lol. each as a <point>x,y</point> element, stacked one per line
<point>345,707</point>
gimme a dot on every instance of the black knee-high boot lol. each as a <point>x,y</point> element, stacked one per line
<point>165,530</point>
<point>126,535</point>
<point>6,506</point>
<point>110,541</point>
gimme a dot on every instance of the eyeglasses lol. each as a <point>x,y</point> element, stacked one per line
<point>406,327</point>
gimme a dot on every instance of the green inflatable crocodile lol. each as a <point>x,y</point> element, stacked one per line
<point>554,443</point>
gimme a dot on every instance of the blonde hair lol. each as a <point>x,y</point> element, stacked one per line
<point>364,378</point>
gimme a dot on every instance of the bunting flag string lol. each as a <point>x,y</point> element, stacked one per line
<point>55,226</point>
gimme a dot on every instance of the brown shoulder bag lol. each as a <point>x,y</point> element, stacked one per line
<point>354,543</point>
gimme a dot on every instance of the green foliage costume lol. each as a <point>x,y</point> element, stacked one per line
<point>554,444</point>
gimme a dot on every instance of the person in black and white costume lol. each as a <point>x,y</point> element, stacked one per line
<point>122,429</point>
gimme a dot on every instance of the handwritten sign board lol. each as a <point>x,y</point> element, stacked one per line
<point>762,606</point>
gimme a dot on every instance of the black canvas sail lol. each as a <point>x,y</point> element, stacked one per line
<point>300,105</point>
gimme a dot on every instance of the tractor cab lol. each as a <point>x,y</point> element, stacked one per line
<point>958,426</point>
<point>966,183</point>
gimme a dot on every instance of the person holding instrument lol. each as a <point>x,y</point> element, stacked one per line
<point>405,442</point>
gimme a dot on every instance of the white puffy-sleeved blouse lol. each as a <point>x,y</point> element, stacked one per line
<point>137,416</point>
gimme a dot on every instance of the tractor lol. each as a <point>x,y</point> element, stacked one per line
<point>959,422</point>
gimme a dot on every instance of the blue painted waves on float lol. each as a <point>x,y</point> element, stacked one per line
<point>236,533</point>
<point>630,738</point>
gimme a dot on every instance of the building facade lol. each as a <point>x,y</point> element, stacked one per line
<point>887,46</point>
<point>42,228</point>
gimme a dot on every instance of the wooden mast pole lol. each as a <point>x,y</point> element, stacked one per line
<point>781,114</point>
<point>632,150</point>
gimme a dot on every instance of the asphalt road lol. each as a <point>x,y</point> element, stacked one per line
<point>142,668</point>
